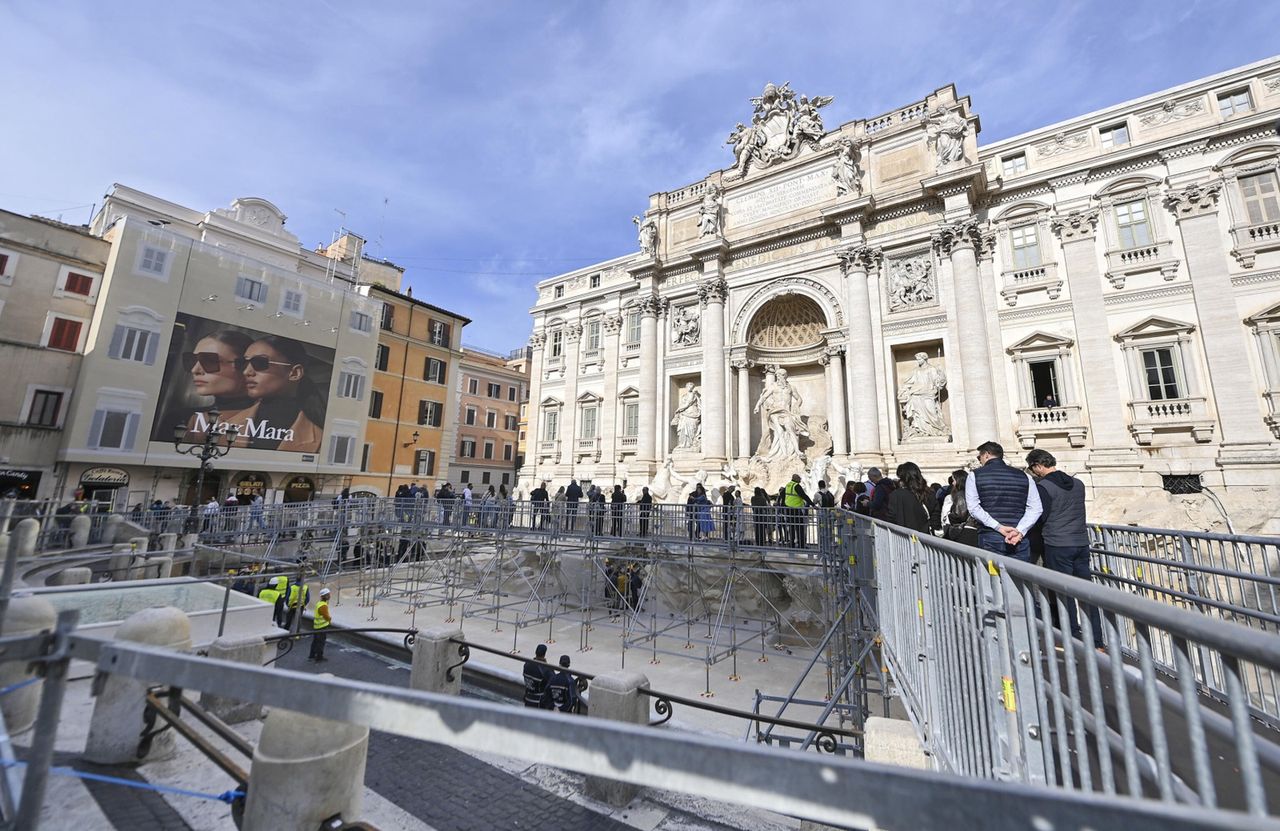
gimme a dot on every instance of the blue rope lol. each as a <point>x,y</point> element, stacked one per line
<point>18,686</point>
<point>226,796</point>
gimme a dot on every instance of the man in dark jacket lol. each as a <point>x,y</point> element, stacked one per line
<point>618,506</point>
<point>563,688</point>
<point>537,676</point>
<point>1004,501</point>
<point>541,505</point>
<point>1063,527</point>
<point>572,495</point>
<point>646,508</point>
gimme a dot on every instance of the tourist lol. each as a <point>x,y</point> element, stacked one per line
<point>727,507</point>
<point>849,499</point>
<point>558,509</point>
<point>489,508</point>
<point>541,504</point>
<point>702,508</point>
<point>506,507</point>
<point>572,495</point>
<point>563,688</point>
<point>467,517</point>
<point>1066,536</point>
<point>619,502</point>
<point>760,519</point>
<point>879,502</point>
<point>537,675</point>
<point>646,508</point>
<point>958,525</point>
<point>781,530</point>
<point>255,512</point>
<point>320,625</point>
<point>635,585</point>
<point>209,514</point>
<point>1004,501</point>
<point>908,505</point>
<point>795,501</point>
<point>596,502</point>
<point>873,478</point>
<point>824,498</point>
<point>691,513</point>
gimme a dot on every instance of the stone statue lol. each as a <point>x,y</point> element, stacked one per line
<point>709,213</point>
<point>919,397</point>
<point>779,403</point>
<point>807,125</point>
<point>688,418</point>
<point>846,473</point>
<point>848,170</point>
<point>911,283</point>
<point>946,129</point>
<point>686,328</point>
<point>780,126</point>
<point>647,233</point>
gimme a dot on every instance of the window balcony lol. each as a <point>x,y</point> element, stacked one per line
<point>549,450</point>
<point>1171,415</point>
<point>1043,277</point>
<point>1251,240</point>
<point>587,449</point>
<point>629,443</point>
<point>1125,262</point>
<point>1035,424</point>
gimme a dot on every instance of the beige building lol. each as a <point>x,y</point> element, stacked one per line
<point>220,309</point>
<point>489,396</point>
<point>1107,287</point>
<point>50,279</point>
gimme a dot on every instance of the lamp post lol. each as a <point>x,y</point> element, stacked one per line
<point>217,443</point>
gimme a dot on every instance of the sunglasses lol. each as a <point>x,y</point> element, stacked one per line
<point>259,363</point>
<point>209,361</point>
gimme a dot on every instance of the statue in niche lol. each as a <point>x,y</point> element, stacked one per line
<point>946,129</point>
<point>688,418</point>
<point>686,329</point>
<point>920,397</point>
<point>709,213</point>
<point>911,283</point>
<point>848,171</point>
<point>647,234</point>
<point>779,405</point>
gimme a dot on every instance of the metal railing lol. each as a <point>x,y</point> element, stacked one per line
<point>998,690</point>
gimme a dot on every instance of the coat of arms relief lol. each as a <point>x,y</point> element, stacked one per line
<point>781,124</point>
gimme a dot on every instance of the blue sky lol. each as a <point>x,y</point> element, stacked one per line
<point>484,145</point>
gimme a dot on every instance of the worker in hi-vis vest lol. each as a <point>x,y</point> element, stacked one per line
<point>321,627</point>
<point>795,501</point>
<point>298,597</point>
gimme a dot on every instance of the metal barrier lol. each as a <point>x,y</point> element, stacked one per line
<point>998,690</point>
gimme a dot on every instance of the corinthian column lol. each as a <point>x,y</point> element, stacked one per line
<point>742,368</point>
<point>533,413</point>
<point>608,417</point>
<point>712,294</point>
<point>648,306</point>
<point>958,241</point>
<point>830,360</point>
<point>569,419</point>
<point>858,262</point>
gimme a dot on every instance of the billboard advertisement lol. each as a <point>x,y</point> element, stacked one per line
<point>271,389</point>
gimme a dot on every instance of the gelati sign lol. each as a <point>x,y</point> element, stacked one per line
<point>105,477</point>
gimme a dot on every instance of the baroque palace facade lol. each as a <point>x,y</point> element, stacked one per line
<point>1107,287</point>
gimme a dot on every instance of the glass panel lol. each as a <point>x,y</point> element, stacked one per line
<point>113,430</point>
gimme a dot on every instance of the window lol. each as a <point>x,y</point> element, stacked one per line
<point>495,390</point>
<point>292,302</point>
<point>506,478</point>
<point>464,477</point>
<point>1161,375</point>
<point>589,422</point>
<point>557,343</point>
<point>1116,135</point>
<point>1234,103</point>
<point>507,452</point>
<point>375,404</point>
<point>473,386</point>
<point>439,333</point>
<point>7,261</point>
<point>595,281</point>
<point>1131,221</point>
<point>1260,199</point>
<point>46,408</point>
<point>340,449</point>
<point>430,413</point>
<point>130,344</point>
<point>424,463</point>
<point>251,290</point>
<point>484,478</point>
<point>491,419</point>
<point>512,392</point>
<point>434,370</point>
<point>1044,383</point>
<point>364,459</point>
<point>350,385</point>
<point>113,429</point>
<point>512,422</point>
<point>383,357</point>
<point>633,327</point>
<point>154,262</point>
<point>1026,246</point>
<point>468,449</point>
<point>77,283</point>
<point>551,425</point>
<point>361,322</point>
<point>471,416</point>
<point>64,334</point>
<point>631,419</point>
<point>559,292</point>
<point>388,316</point>
<point>593,335</point>
<point>1013,165</point>
<point>488,450</point>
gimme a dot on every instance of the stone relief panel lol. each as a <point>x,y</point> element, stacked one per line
<point>912,282</point>
<point>686,326</point>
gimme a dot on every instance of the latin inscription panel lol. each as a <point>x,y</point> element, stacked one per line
<point>803,191</point>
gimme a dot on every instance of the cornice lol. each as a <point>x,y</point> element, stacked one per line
<point>913,324</point>
<point>1147,295</point>
<point>1046,310</point>
<point>1253,279</point>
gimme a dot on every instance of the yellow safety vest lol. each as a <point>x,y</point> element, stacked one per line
<point>293,596</point>
<point>793,499</point>
<point>320,621</point>
<point>269,595</point>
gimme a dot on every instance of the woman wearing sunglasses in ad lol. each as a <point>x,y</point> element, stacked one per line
<point>286,405</point>
<point>214,373</point>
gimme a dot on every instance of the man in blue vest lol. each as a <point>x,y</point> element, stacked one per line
<point>1004,501</point>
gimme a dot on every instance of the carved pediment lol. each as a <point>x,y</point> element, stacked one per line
<point>629,392</point>
<point>1269,315</point>
<point>1040,342</point>
<point>589,398</point>
<point>1155,326</point>
<point>551,402</point>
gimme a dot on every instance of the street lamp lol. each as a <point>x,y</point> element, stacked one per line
<point>216,444</point>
